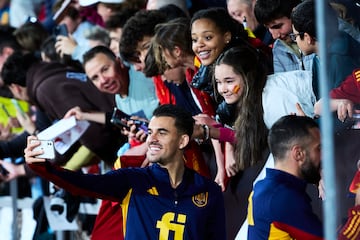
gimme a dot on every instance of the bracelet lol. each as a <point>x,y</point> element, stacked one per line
<point>206,132</point>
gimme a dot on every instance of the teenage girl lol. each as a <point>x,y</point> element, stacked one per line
<point>238,82</point>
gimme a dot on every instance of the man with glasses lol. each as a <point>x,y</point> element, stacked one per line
<point>343,52</point>
<point>275,15</point>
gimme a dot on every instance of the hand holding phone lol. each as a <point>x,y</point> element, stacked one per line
<point>120,119</point>
<point>47,146</point>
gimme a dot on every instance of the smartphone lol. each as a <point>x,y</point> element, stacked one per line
<point>141,125</point>
<point>120,119</point>
<point>3,170</point>
<point>48,147</point>
<point>61,30</point>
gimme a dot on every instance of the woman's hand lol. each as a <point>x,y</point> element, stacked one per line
<point>231,166</point>
<point>204,119</point>
<point>75,111</point>
<point>220,179</point>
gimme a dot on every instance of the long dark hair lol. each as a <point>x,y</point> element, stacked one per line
<point>251,131</point>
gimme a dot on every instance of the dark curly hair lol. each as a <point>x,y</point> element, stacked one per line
<point>142,24</point>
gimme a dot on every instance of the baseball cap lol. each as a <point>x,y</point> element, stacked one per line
<point>85,3</point>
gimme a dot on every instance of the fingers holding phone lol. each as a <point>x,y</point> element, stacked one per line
<point>65,45</point>
<point>38,150</point>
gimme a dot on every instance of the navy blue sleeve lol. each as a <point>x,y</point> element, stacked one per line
<point>112,186</point>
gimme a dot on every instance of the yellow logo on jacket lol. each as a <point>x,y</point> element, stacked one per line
<point>153,191</point>
<point>171,222</point>
<point>200,200</point>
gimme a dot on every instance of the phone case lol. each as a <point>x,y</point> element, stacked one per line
<point>61,30</point>
<point>48,147</point>
<point>119,118</point>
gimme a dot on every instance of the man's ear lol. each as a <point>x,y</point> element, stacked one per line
<point>298,153</point>
<point>308,39</point>
<point>184,140</point>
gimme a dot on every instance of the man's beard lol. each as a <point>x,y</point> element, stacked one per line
<point>310,172</point>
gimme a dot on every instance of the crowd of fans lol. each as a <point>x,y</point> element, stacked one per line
<point>237,66</point>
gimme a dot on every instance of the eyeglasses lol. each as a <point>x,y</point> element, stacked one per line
<point>294,35</point>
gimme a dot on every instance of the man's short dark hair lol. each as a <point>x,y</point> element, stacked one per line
<point>90,54</point>
<point>269,10</point>
<point>16,67</point>
<point>184,121</point>
<point>288,130</point>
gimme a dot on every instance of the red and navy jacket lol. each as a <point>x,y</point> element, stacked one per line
<point>152,209</point>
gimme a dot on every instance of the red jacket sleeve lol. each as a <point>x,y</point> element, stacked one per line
<point>351,229</point>
<point>349,88</point>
